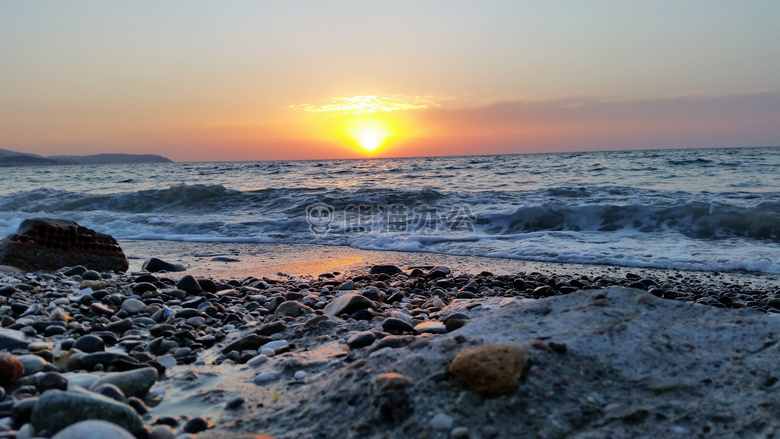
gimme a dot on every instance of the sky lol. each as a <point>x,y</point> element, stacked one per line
<point>267,80</point>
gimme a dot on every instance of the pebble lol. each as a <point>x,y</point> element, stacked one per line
<point>132,383</point>
<point>50,380</point>
<point>441,422</point>
<point>264,377</point>
<point>385,269</point>
<point>32,364</point>
<point>11,369</point>
<point>257,360</point>
<point>392,381</point>
<point>268,352</point>
<point>56,410</point>
<point>397,326</point>
<point>91,275</point>
<point>154,265</point>
<point>348,304</point>
<point>190,285</point>
<point>162,432</point>
<point>431,328</point>
<point>492,369</point>
<point>361,339</point>
<point>292,308</point>
<point>196,425</point>
<point>133,306</point>
<point>460,433</point>
<point>93,429</point>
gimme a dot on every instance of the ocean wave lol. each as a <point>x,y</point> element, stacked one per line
<point>578,209</point>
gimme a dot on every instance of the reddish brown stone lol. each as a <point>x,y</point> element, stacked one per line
<point>50,244</point>
<point>101,308</point>
<point>11,369</point>
<point>492,369</point>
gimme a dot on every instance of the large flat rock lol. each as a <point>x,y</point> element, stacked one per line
<point>608,363</point>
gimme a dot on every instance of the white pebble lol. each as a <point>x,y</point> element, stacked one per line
<point>275,344</point>
<point>441,422</point>
<point>166,361</point>
<point>265,377</point>
<point>268,352</point>
<point>300,375</point>
<point>256,361</point>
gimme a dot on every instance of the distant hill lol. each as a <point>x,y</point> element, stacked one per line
<point>7,152</point>
<point>17,159</point>
<point>14,158</point>
<point>104,159</point>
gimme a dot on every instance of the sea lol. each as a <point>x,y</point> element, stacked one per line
<point>712,210</point>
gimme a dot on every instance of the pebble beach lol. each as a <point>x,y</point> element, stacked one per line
<point>182,354</point>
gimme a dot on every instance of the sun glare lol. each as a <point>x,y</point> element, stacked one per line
<point>369,134</point>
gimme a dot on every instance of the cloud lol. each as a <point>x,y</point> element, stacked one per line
<point>585,123</point>
<point>360,105</point>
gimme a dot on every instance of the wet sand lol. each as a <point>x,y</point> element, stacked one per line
<point>223,261</point>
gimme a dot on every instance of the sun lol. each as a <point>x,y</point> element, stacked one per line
<point>368,134</point>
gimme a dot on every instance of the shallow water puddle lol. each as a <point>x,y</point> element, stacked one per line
<point>194,392</point>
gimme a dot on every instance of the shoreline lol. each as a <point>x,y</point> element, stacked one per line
<point>311,260</point>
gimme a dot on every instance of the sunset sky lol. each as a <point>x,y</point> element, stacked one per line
<point>264,80</point>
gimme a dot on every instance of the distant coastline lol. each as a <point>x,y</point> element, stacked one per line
<point>10,158</point>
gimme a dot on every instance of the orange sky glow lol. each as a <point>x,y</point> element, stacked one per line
<point>301,80</point>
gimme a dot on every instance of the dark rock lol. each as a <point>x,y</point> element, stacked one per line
<point>291,308</point>
<point>272,328</point>
<point>250,342</point>
<point>543,291</point>
<point>361,339</point>
<point>131,383</point>
<point>120,326</point>
<point>347,285</point>
<point>465,295</point>
<point>111,391</point>
<point>385,269</point>
<point>22,410</point>
<point>347,304</point>
<point>50,244</point>
<point>56,410</point>
<point>154,265</point>
<point>146,278</point>
<point>371,293</point>
<point>89,361</point>
<point>397,326</point>
<point>196,425</point>
<point>53,330</point>
<point>142,287</point>
<point>438,272</point>
<point>189,284</point>
<point>138,405</point>
<point>207,285</point>
<point>91,275</point>
<point>361,314</point>
<point>7,290</point>
<point>395,297</point>
<point>77,270</point>
<point>50,380</point>
<point>94,429</point>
